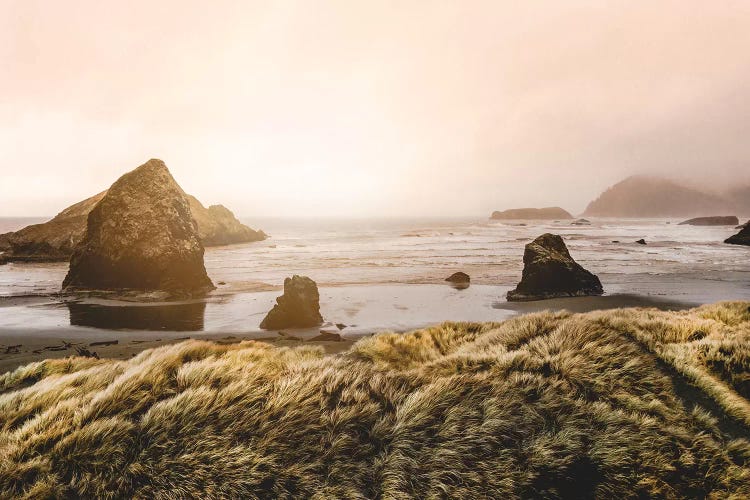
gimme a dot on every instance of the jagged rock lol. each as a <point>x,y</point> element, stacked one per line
<point>217,225</point>
<point>741,238</point>
<point>298,307</point>
<point>55,240</point>
<point>716,220</point>
<point>742,226</point>
<point>549,271</point>
<point>532,213</point>
<point>641,241</point>
<point>141,236</point>
<point>459,277</point>
<point>581,222</point>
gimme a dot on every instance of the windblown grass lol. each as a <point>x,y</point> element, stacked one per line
<point>544,405</point>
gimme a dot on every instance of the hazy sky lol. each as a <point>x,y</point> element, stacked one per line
<point>370,107</point>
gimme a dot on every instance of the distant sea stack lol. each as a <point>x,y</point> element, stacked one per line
<point>741,238</point>
<point>217,225</point>
<point>716,220</point>
<point>54,240</point>
<point>532,214</point>
<point>549,272</point>
<point>641,196</point>
<point>141,236</point>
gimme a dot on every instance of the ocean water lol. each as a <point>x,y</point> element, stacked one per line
<point>367,268</point>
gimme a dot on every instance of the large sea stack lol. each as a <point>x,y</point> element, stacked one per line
<point>299,307</point>
<point>54,240</point>
<point>141,236</point>
<point>741,238</point>
<point>549,271</point>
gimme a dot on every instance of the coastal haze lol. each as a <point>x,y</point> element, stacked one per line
<point>371,108</point>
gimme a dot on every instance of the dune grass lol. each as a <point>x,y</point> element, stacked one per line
<point>549,405</point>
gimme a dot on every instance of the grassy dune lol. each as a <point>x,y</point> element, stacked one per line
<point>627,403</point>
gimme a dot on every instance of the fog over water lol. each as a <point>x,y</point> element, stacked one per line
<point>371,108</point>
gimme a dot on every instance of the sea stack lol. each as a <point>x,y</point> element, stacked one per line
<point>298,307</point>
<point>741,238</point>
<point>549,271</point>
<point>715,220</point>
<point>141,236</point>
<point>546,213</point>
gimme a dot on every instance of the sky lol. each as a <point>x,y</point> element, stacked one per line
<point>371,108</point>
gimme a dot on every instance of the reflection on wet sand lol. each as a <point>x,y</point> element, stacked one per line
<point>173,317</point>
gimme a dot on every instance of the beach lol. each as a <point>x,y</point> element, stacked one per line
<point>374,275</point>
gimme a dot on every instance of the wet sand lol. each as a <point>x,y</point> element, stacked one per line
<point>37,328</point>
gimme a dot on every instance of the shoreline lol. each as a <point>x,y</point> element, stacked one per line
<point>406,308</point>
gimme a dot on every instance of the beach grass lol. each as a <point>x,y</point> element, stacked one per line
<point>627,403</point>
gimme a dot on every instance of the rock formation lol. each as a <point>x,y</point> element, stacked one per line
<point>141,236</point>
<point>549,271</point>
<point>741,238</point>
<point>217,225</point>
<point>532,214</point>
<point>715,220</point>
<point>54,240</point>
<point>298,307</point>
<point>641,196</point>
<point>641,241</point>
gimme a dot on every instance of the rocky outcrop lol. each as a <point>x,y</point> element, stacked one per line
<point>532,214</point>
<point>715,220</point>
<point>549,271</point>
<point>641,241</point>
<point>298,307</point>
<point>642,196</point>
<point>218,226</point>
<point>741,238</point>
<point>54,240</point>
<point>141,236</point>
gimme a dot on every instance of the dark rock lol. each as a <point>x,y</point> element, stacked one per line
<point>615,241</point>
<point>459,277</point>
<point>641,241</point>
<point>340,326</point>
<point>298,307</point>
<point>581,222</point>
<point>716,220</point>
<point>741,238</point>
<point>742,226</point>
<point>327,337</point>
<point>532,214</point>
<point>141,236</point>
<point>549,271</point>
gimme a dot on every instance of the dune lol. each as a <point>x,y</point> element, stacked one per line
<point>634,402</point>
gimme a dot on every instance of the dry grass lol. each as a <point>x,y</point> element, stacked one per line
<point>544,405</point>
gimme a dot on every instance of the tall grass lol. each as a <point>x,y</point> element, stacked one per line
<point>545,405</point>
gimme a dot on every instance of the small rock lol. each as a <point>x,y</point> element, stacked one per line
<point>327,337</point>
<point>298,307</point>
<point>641,241</point>
<point>459,277</point>
<point>340,326</point>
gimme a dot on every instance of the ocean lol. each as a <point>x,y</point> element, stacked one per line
<point>379,274</point>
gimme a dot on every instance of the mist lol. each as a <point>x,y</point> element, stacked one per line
<point>371,108</point>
